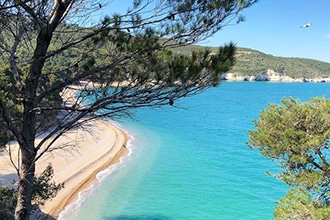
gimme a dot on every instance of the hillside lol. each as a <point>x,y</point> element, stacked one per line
<point>251,62</point>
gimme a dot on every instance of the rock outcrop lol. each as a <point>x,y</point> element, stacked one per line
<point>270,75</point>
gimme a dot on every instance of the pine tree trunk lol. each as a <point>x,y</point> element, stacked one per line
<point>28,155</point>
<point>29,93</point>
<point>27,144</point>
<point>25,185</point>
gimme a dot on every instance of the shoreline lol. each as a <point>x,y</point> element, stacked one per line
<point>92,148</point>
<point>83,178</point>
<point>88,174</point>
<point>272,76</point>
<point>79,196</point>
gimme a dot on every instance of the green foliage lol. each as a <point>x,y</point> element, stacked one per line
<point>251,62</point>
<point>129,51</point>
<point>43,189</point>
<point>9,92</point>
<point>298,204</point>
<point>223,61</point>
<point>7,203</point>
<point>296,134</point>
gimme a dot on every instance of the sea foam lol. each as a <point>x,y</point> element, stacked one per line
<point>100,176</point>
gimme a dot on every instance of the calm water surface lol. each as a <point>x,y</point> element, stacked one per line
<point>192,162</point>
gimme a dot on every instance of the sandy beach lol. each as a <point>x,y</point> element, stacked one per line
<point>88,150</point>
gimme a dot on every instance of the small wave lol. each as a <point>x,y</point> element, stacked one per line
<point>105,173</point>
<point>82,195</point>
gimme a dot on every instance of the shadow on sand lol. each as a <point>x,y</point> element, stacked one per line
<point>39,215</point>
<point>8,179</point>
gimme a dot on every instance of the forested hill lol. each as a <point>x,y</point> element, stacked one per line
<point>251,62</point>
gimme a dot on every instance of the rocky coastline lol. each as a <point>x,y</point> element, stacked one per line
<point>271,75</point>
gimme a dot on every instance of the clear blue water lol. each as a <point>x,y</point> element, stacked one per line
<point>192,162</point>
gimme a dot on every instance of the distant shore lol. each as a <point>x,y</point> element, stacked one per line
<point>272,76</point>
<point>88,150</point>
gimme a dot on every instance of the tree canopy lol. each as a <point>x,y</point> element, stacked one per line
<point>296,135</point>
<point>252,62</point>
<point>46,46</point>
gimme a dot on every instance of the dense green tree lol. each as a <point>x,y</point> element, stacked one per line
<point>7,202</point>
<point>296,135</point>
<point>136,67</point>
<point>252,62</point>
<point>43,189</point>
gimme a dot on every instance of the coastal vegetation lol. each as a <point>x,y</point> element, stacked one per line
<point>47,46</point>
<point>44,189</point>
<point>247,61</point>
<point>252,62</point>
<point>137,59</point>
<point>295,135</point>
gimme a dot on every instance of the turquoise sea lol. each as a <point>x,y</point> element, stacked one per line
<point>192,162</point>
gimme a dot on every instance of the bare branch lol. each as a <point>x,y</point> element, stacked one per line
<point>30,11</point>
<point>126,54</point>
<point>80,76</point>
<point>323,159</point>
<point>73,43</point>
<point>57,133</point>
<point>5,115</point>
<point>15,165</point>
<point>13,57</point>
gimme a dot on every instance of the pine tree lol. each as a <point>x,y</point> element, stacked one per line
<point>49,45</point>
<point>296,135</point>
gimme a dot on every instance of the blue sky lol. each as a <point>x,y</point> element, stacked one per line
<point>273,27</point>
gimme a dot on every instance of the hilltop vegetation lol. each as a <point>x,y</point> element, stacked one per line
<point>248,61</point>
<point>251,62</point>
